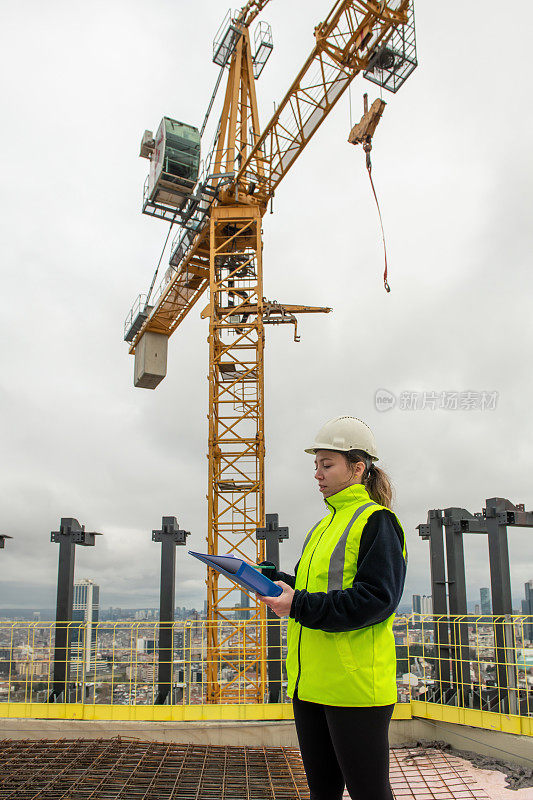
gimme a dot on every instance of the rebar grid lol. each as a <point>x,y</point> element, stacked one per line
<point>116,769</point>
<point>430,774</point>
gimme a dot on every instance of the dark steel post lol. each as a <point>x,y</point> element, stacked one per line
<point>70,534</point>
<point>65,590</point>
<point>502,604</point>
<point>455,561</point>
<point>273,535</point>
<point>432,531</point>
<point>170,535</point>
<point>3,538</point>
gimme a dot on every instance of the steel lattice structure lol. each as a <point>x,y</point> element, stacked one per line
<point>221,248</point>
<point>236,433</point>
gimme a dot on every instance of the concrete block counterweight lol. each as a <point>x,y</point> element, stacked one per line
<point>150,360</point>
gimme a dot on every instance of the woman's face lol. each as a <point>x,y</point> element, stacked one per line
<point>334,473</point>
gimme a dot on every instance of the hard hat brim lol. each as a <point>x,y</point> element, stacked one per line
<point>318,446</point>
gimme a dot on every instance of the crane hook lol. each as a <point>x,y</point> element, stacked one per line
<point>362,134</point>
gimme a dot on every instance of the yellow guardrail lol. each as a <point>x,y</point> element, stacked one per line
<point>474,670</point>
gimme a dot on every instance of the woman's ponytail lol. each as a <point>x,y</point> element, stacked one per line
<point>375,480</point>
<point>378,486</point>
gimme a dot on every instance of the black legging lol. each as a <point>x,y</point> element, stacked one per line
<point>344,746</point>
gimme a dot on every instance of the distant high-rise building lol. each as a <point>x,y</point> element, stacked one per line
<point>243,611</point>
<point>422,604</point>
<point>527,609</point>
<point>183,653</point>
<point>486,605</point>
<point>426,604</point>
<point>85,609</point>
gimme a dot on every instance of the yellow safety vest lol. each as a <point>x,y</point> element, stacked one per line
<point>352,668</point>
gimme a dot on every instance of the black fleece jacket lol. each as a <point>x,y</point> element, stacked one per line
<point>376,590</point>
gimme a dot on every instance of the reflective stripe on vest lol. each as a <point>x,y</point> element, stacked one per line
<point>336,564</point>
<point>310,534</point>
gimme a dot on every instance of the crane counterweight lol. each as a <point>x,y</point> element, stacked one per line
<point>150,360</point>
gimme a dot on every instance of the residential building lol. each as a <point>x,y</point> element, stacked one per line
<point>146,646</point>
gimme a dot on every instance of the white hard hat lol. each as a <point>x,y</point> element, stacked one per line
<point>345,433</point>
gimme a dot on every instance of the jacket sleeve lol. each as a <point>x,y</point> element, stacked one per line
<point>274,575</point>
<point>377,587</point>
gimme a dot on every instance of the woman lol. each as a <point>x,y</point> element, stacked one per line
<point>341,660</point>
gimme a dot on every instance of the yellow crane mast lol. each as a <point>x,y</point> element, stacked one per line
<point>220,247</point>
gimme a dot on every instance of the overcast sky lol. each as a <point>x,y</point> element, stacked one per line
<point>453,169</point>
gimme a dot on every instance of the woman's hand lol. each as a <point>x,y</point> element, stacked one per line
<point>280,605</point>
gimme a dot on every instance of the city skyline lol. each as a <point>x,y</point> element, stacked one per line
<point>419,603</point>
<point>519,604</point>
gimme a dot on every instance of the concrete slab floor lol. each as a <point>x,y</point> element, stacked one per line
<point>494,784</point>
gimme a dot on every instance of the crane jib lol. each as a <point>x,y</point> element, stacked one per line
<point>345,45</point>
<point>371,37</point>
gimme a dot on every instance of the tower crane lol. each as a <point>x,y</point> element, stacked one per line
<point>219,210</point>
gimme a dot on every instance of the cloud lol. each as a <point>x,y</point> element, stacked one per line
<point>454,179</point>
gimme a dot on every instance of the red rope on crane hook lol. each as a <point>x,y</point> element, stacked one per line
<point>367,148</point>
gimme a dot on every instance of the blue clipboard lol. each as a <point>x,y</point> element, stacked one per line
<point>240,572</point>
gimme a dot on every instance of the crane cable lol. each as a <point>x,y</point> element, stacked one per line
<point>367,147</point>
